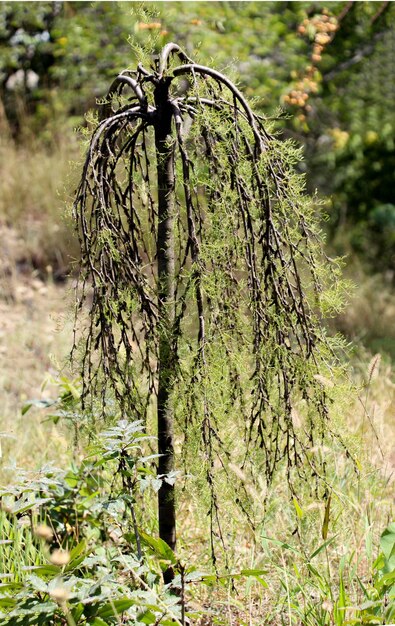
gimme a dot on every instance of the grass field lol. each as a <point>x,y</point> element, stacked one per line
<point>312,575</point>
<point>35,338</point>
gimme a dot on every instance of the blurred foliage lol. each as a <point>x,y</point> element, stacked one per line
<point>330,67</point>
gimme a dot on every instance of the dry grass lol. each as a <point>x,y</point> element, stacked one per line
<point>35,336</point>
<point>36,188</point>
<point>37,249</point>
<point>361,508</point>
<point>368,320</point>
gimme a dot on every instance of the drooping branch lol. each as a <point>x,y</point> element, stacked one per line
<point>194,68</point>
<point>170,48</point>
<point>202,261</point>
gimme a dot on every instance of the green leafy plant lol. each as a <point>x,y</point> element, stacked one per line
<point>379,604</point>
<point>74,551</point>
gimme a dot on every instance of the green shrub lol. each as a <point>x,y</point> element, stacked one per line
<point>73,550</point>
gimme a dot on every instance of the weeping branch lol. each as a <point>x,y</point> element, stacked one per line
<point>204,275</point>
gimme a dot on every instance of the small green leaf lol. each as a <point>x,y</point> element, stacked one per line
<point>322,547</point>
<point>156,484</point>
<point>299,511</point>
<point>253,572</point>
<point>39,404</point>
<point>284,546</point>
<point>79,549</point>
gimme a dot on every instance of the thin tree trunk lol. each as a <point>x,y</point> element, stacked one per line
<point>164,142</point>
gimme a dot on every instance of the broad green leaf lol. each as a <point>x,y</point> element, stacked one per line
<point>11,586</point>
<point>77,611</point>
<point>147,618</point>
<point>159,546</point>
<point>379,562</point>
<point>79,548</point>
<point>115,608</point>
<point>38,583</point>
<point>45,570</point>
<point>97,621</point>
<point>7,602</point>
<point>26,506</point>
<point>387,544</point>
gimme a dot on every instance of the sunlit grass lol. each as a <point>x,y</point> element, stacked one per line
<point>37,184</point>
<point>35,337</point>
<point>298,586</point>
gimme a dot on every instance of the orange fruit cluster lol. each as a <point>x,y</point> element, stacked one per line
<point>149,25</point>
<point>321,27</point>
<point>152,26</point>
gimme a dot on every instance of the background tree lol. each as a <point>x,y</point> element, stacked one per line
<point>330,66</point>
<point>341,99</point>
<point>208,278</point>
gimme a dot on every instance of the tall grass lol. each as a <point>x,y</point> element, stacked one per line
<point>310,579</point>
<point>368,320</point>
<point>35,337</point>
<point>316,553</point>
<point>36,188</point>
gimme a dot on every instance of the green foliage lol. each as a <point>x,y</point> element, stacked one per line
<point>363,197</point>
<point>315,594</point>
<point>339,88</point>
<point>74,552</point>
<point>349,127</point>
<point>65,45</point>
<point>379,604</point>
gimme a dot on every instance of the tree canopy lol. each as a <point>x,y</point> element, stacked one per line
<point>330,67</point>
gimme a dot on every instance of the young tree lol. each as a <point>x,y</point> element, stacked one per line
<point>203,263</point>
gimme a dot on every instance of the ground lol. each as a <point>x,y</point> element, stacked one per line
<point>36,321</point>
<point>35,338</point>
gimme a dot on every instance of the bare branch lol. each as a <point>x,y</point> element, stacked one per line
<point>171,48</point>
